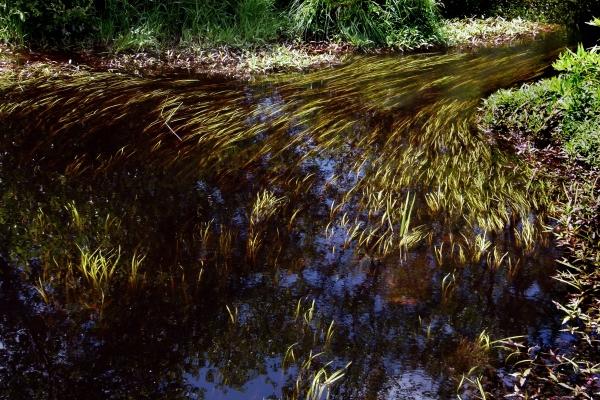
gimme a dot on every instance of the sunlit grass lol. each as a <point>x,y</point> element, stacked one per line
<point>286,58</point>
<point>315,377</point>
<point>134,273</point>
<point>98,266</point>
<point>389,179</point>
<point>477,353</point>
<point>477,32</point>
<point>264,207</point>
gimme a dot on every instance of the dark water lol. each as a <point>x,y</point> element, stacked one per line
<point>241,230</point>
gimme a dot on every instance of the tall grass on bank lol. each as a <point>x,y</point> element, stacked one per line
<point>139,24</point>
<point>145,24</point>
<point>399,23</point>
<point>136,24</point>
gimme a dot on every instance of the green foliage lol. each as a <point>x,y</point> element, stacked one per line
<point>476,31</point>
<point>465,8</point>
<point>257,19</point>
<point>563,11</point>
<point>61,21</point>
<point>563,109</point>
<point>136,25</point>
<point>400,23</point>
<point>139,24</point>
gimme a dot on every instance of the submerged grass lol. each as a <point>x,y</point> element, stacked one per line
<point>567,372</point>
<point>314,377</point>
<point>387,181</point>
<point>98,267</point>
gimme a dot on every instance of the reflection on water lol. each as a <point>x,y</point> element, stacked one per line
<point>191,239</point>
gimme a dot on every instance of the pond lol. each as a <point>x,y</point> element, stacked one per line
<point>345,232</point>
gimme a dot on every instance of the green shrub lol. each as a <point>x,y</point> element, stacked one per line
<point>571,12</point>
<point>62,22</point>
<point>562,11</point>
<point>400,23</point>
<point>564,109</point>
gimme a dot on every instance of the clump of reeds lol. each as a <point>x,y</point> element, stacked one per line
<point>315,378</point>
<point>98,266</point>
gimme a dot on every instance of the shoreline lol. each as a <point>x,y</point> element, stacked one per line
<point>575,219</point>
<point>575,226</point>
<point>226,62</point>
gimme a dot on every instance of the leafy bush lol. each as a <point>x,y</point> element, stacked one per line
<point>61,21</point>
<point>564,109</point>
<point>571,12</point>
<point>563,11</point>
<point>401,23</point>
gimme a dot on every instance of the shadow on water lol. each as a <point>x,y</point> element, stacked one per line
<point>177,238</point>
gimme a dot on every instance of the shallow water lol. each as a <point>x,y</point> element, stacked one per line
<point>346,215</point>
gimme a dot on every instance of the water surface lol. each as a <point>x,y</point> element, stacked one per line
<point>346,215</point>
